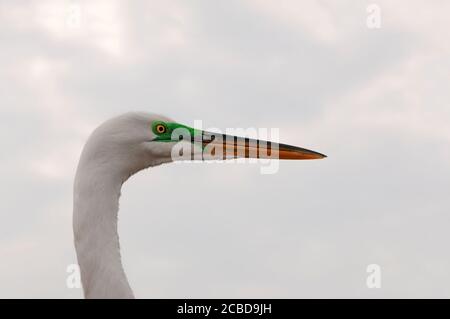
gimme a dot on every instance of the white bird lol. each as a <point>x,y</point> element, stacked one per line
<point>119,148</point>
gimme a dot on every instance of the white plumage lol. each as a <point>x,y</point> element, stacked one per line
<point>117,149</point>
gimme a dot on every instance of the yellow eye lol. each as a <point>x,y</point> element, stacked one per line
<point>160,129</point>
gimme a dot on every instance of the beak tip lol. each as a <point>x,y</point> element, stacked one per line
<point>317,155</point>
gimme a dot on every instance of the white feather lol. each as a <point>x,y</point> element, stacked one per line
<point>116,150</point>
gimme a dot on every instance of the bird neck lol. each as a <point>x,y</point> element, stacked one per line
<point>96,205</point>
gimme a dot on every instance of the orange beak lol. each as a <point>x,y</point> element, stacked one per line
<point>222,146</point>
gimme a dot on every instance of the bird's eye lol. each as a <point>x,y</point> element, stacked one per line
<point>160,129</point>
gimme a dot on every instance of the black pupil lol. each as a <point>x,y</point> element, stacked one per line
<point>161,128</point>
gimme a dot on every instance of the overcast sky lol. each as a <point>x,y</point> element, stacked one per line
<point>375,100</point>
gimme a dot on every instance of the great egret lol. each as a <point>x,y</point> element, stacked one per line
<point>116,150</point>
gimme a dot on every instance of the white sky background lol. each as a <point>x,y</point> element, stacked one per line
<point>376,101</point>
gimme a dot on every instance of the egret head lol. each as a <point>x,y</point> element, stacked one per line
<point>134,141</point>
